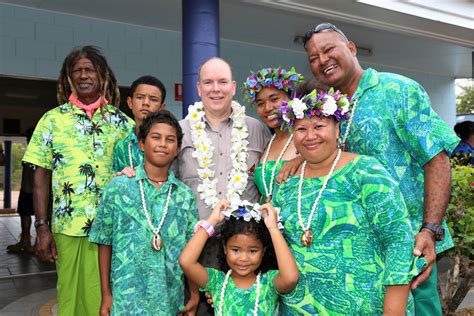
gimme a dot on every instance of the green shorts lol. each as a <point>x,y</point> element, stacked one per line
<point>78,276</point>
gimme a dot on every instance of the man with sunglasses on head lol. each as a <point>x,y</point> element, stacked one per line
<point>392,120</point>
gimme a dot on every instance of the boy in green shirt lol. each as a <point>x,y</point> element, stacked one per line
<point>142,225</point>
<point>147,96</point>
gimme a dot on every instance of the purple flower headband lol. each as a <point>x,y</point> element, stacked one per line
<point>279,78</point>
<point>322,104</point>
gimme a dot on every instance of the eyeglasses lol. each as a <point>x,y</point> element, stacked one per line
<point>323,27</point>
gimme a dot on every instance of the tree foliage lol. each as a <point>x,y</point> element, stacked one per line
<point>460,220</point>
<point>465,101</point>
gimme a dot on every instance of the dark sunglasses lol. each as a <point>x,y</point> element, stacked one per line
<point>323,27</point>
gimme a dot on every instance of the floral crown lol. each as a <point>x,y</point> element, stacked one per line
<point>247,211</point>
<point>322,104</point>
<point>279,78</point>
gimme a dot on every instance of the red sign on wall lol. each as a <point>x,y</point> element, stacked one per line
<point>178,92</point>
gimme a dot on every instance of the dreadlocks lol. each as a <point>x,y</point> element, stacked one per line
<point>108,82</point>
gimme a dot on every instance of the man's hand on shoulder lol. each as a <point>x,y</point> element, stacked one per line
<point>129,172</point>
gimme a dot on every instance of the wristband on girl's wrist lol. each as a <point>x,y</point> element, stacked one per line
<point>207,227</point>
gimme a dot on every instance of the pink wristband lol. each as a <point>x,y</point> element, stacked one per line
<point>207,227</point>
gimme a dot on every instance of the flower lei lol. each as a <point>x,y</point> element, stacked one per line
<point>237,181</point>
<point>322,104</point>
<point>279,78</point>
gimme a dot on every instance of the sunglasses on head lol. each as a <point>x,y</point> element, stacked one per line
<point>323,27</point>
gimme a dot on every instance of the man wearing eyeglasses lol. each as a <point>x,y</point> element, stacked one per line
<point>392,120</point>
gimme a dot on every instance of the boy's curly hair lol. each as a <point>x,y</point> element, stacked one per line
<point>234,226</point>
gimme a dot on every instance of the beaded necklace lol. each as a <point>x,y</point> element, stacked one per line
<point>307,236</point>
<point>130,154</point>
<point>268,191</point>
<point>349,123</point>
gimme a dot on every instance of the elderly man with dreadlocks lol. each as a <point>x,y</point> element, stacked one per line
<point>72,147</point>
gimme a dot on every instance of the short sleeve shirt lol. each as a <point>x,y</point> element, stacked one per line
<point>145,281</point>
<point>394,122</point>
<point>239,301</point>
<point>78,151</point>
<point>186,165</point>
<point>122,155</point>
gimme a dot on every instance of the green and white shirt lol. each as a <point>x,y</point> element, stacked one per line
<point>121,154</point>
<point>145,281</point>
<point>239,301</point>
<point>394,122</point>
<point>363,241</point>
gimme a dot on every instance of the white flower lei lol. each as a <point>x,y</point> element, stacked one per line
<point>237,181</point>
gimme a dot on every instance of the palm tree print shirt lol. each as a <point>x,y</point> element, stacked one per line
<point>79,152</point>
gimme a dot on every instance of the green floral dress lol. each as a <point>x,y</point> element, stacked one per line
<point>145,281</point>
<point>363,240</point>
<point>239,301</point>
<point>268,174</point>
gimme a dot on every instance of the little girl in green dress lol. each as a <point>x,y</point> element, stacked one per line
<point>251,238</point>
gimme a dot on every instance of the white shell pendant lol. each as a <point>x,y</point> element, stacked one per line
<point>156,242</point>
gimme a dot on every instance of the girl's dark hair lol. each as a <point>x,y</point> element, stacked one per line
<point>234,226</point>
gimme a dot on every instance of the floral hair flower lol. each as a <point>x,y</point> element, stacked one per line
<point>243,209</point>
<point>322,104</point>
<point>279,78</point>
<point>247,211</point>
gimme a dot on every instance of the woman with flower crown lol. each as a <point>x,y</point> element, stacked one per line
<point>267,89</point>
<point>344,219</point>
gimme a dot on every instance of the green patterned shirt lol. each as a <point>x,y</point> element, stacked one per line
<point>239,301</point>
<point>79,153</point>
<point>121,154</point>
<point>363,240</point>
<point>394,122</point>
<point>145,281</point>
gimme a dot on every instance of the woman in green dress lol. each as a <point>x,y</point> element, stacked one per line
<point>344,219</point>
<point>267,89</point>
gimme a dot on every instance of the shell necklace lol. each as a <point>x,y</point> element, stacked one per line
<point>349,123</point>
<point>269,191</point>
<point>130,154</point>
<point>224,285</point>
<point>156,242</point>
<point>307,236</point>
